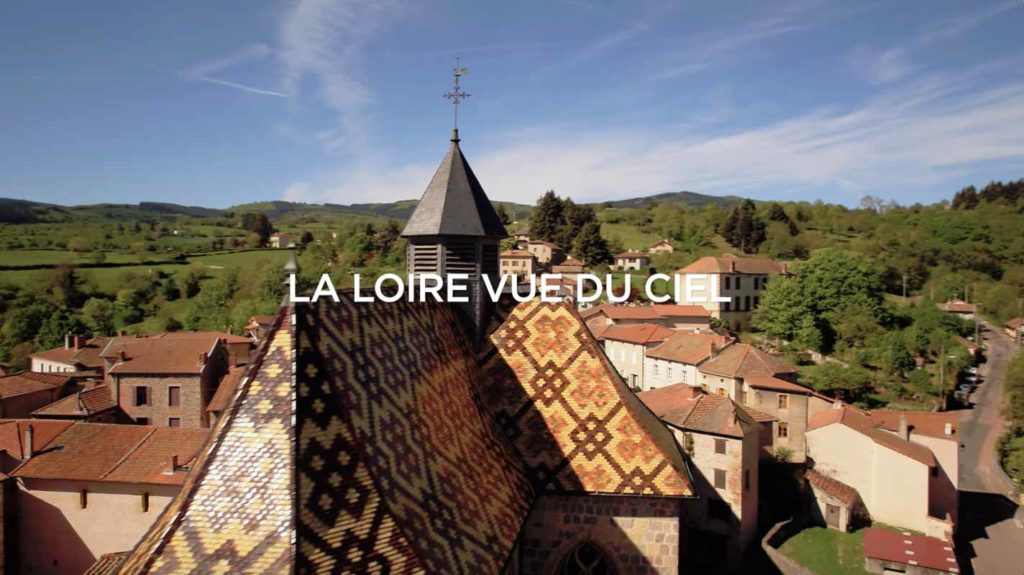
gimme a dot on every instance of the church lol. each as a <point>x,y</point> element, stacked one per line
<point>425,437</point>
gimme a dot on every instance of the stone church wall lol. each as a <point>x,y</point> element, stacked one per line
<point>640,535</point>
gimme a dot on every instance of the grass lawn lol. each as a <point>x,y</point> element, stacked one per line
<point>631,237</point>
<point>827,551</point>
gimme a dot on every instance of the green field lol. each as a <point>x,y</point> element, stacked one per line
<point>631,237</point>
<point>827,551</point>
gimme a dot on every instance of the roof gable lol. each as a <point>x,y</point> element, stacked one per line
<point>745,360</point>
<point>454,203</point>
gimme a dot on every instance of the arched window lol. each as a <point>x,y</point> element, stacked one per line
<point>586,559</point>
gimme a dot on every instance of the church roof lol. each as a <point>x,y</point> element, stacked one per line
<point>396,447</point>
<point>455,203</point>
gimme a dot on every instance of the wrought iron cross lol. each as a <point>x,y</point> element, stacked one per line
<point>457,95</point>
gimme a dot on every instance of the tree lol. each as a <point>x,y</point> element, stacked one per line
<point>259,224</point>
<point>99,316</point>
<point>190,281</point>
<point>306,238</point>
<point>503,214</point>
<point>169,289</point>
<point>743,229</point>
<point>776,213</point>
<point>79,244</point>
<point>576,216</point>
<point>966,199</point>
<point>547,220</point>
<point>128,305</point>
<point>63,282</point>
<point>590,246</point>
<point>52,331</point>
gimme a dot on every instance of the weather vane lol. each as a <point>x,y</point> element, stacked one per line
<point>457,95</point>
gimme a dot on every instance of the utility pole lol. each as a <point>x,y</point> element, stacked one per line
<point>942,378</point>
<point>904,288</point>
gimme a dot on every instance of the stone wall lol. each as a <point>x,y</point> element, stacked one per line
<point>774,539</point>
<point>640,535</point>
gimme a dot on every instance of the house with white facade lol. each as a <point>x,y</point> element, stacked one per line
<point>672,316</point>
<point>631,260</point>
<point>626,347</point>
<point>741,280</point>
<point>676,359</point>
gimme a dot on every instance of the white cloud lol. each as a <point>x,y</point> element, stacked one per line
<point>204,71</point>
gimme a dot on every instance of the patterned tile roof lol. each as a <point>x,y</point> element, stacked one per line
<point>80,404</point>
<point>568,413</point>
<point>107,564</point>
<point>234,515</point>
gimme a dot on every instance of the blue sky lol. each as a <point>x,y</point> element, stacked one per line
<point>219,103</point>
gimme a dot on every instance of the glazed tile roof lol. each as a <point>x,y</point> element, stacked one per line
<point>860,421</point>
<point>234,515</point>
<point>80,404</point>
<point>117,453</point>
<point>689,348</point>
<point>28,382</point>
<point>833,487</point>
<point>732,264</point>
<point>12,435</point>
<point>106,564</point>
<point>909,549</point>
<point>744,360</point>
<point>638,333</point>
<point>569,415</point>
<point>690,408</point>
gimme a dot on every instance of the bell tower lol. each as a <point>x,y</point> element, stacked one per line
<point>455,230</point>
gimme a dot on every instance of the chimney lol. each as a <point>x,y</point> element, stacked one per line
<point>28,442</point>
<point>173,467</point>
<point>121,355</point>
<point>120,333</point>
<point>202,358</point>
<point>67,340</point>
<point>948,430</point>
<point>904,428</point>
<point>232,359</point>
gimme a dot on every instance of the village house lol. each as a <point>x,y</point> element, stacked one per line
<point>570,267</point>
<point>257,327</point>
<point>282,240</point>
<point>741,280</point>
<point>676,359</point>
<point>23,393</point>
<point>672,316</point>
<point>95,405</point>
<point>754,378</point>
<point>836,505</point>
<point>519,263</point>
<point>722,441</point>
<point>626,347</point>
<point>239,347</point>
<point>960,308</point>
<point>631,260</point>
<point>896,474</point>
<point>94,489</point>
<point>522,237</point>
<point>1015,329</point>
<point>662,246</point>
<point>166,382</point>
<point>546,253</point>
<point>79,354</point>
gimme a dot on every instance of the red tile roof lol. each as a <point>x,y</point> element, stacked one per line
<point>689,348</point>
<point>958,306</point>
<point>202,335</point>
<point>81,404</point>
<point>651,312</point>
<point>860,421</point>
<point>12,435</point>
<point>930,423</point>
<point>544,243</point>
<point>908,549</point>
<point>638,333</point>
<point>28,382</point>
<point>776,384</point>
<point>226,390</point>
<point>87,356</point>
<point>833,487</point>
<point>732,264</point>
<point>1015,323</point>
<point>744,360</point>
<point>690,408</point>
<point>119,453</point>
<point>160,355</point>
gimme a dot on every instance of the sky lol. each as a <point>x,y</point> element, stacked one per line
<point>221,103</point>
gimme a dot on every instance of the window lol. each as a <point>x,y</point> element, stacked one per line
<point>655,370</point>
<point>783,429</point>
<point>144,502</point>
<point>174,422</point>
<point>755,281</point>
<point>668,373</point>
<point>141,395</point>
<point>746,302</point>
<point>746,480</point>
<point>738,278</point>
<point>83,499</point>
<point>719,479</point>
<point>728,282</point>
<point>726,305</point>
<point>720,446</point>
<point>783,401</point>
<point>721,391</point>
<point>743,398</point>
<point>142,420</point>
<point>718,510</point>
<point>174,396</point>
<point>757,300</point>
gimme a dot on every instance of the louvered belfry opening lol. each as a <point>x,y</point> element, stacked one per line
<point>455,230</point>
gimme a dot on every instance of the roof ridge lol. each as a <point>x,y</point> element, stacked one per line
<point>128,454</point>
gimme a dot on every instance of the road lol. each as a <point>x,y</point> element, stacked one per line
<point>991,531</point>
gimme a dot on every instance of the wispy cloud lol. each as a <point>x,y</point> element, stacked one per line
<point>205,71</point>
<point>322,42</point>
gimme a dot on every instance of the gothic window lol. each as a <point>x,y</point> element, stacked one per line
<point>586,559</point>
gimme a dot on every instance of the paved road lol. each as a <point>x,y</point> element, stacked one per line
<point>991,525</point>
